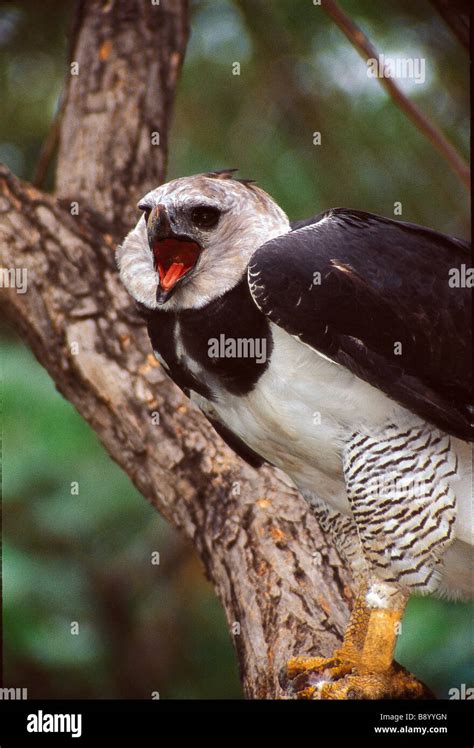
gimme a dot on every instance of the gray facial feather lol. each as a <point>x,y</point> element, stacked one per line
<point>249,218</point>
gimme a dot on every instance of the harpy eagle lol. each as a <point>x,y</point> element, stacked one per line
<point>339,350</point>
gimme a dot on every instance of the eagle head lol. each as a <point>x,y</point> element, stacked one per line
<point>195,238</point>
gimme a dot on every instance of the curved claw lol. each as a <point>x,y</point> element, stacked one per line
<point>363,667</point>
<point>317,678</point>
<point>303,674</point>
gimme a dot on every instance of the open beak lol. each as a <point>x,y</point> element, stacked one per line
<point>175,255</point>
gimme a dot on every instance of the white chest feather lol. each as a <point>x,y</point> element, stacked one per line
<point>301,416</point>
<point>301,413</point>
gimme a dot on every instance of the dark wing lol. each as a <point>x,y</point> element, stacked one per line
<point>308,221</point>
<point>386,299</point>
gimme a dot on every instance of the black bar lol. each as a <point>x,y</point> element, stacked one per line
<point>419,722</point>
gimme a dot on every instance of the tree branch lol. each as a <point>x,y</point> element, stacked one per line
<point>272,569</point>
<point>282,586</point>
<point>125,61</point>
<point>367,51</point>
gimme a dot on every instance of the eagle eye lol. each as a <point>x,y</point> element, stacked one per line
<point>205,216</point>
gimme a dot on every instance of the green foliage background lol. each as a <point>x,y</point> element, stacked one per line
<point>87,558</point>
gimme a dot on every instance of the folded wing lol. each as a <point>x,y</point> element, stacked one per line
<point>386,299</point>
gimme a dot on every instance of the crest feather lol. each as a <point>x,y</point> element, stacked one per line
<point>228,174</point>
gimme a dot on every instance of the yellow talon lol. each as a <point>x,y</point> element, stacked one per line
<point>363,667</point>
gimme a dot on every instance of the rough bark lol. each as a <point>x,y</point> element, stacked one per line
<point>264,552</point>
<point>125,61</point>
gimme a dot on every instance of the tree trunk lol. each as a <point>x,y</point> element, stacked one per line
<point>283,588</point>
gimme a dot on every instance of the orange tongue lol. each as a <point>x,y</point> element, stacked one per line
<point>173,274</point>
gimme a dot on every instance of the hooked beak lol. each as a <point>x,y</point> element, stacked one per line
<point>175,255</point>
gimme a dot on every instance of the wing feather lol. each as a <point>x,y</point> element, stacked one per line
<point>376,296</point>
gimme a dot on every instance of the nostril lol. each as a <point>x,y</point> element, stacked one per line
<point>145,208</point>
